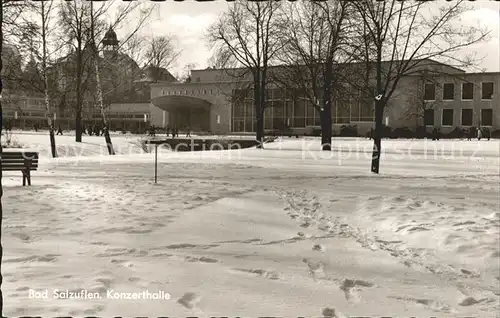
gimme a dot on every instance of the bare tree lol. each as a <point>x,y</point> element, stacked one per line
<point>44,11</point>
<point>247,36</point>
<point>75,21</point>
<point>185,77</point>
<point>123,12</point>
<point>161,53</point>
<point>140,50</point>
<point>314,42</point>
<point>9,26</point>
<point>418,103</point>
<point>399,38</point>
<point>94,48</point>
<point>84,27</point>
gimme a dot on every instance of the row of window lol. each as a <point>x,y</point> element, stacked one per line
<point>188,92</point>
<point>248,124</point>
<point>487,90</point>
<point>352,110</point>
<point>21,114</point>
<point>467,117</point>
<point>29,103</point>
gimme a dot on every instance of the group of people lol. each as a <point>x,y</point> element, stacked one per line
<point>94,130</point>
<point>175,132</point>
<point>169,131</point>
<point>479,134</point>
<point>471,133</point>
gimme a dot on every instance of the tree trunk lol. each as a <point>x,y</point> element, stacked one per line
<point>78,115</point>
<point>78,124</point>
<point>46,85</point>
<point>326,111</point>
<point>107,137</point>
<point>259,109</point>
<point>52,141</point>
<point>260,128</point>
<point>100,101</point>
<point>377,138</point>
<point>326,128</point>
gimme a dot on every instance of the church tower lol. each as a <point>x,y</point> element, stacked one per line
<point>110,43</point>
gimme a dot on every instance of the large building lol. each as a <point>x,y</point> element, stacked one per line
<point>221,100</point>
<point>215,102</point>
<point>125,86</point>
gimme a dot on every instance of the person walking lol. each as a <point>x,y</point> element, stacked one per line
<point>59,131</point>
<point>479,133</point>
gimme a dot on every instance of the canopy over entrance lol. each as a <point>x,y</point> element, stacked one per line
<point>185,112</point>
<point>175,102</point>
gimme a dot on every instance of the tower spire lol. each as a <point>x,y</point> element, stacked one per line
<point>110,40</point>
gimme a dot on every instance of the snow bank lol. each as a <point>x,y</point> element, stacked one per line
<point>282,231</point>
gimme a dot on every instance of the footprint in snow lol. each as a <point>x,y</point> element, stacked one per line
<point>189,300</point>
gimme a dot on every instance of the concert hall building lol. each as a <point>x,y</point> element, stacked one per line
<point>217,101</point>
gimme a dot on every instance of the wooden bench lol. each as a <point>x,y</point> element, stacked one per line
<point>20,161</point>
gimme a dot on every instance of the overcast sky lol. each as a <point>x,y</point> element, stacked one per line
<point>188,21</point>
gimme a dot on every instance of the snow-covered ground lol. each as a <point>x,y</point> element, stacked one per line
<point>288,230</point>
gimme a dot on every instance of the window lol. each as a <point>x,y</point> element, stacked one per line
<point>342,108</point>
<point>486,117</point>
<point>366,110</point>
<point>429,117</point>
<point>278,94</point>
<point>355,110</point>
<point>447,117</point>
<point>300,108</point>
<point>467,91</point>
<point>238,125</point>
<point>238,109</point>
<point>448,91</point>
<point>249,108</point>
<point>467,117</point>
<point>430,91</point>
<point>487,91</point>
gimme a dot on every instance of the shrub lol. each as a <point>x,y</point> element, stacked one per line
<point>11,141</point>
<point>495,134</point>
<point>141,142</point>
<point>458,132</point>
<point>316,132</point>
<point>486,133</point>
<point>386,131</point>
<point>421,132</point>
<point>403,132</point>
<point>348,131</point>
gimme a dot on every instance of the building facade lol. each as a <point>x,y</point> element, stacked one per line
<point>125,86</point>
<point>215,102</point>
